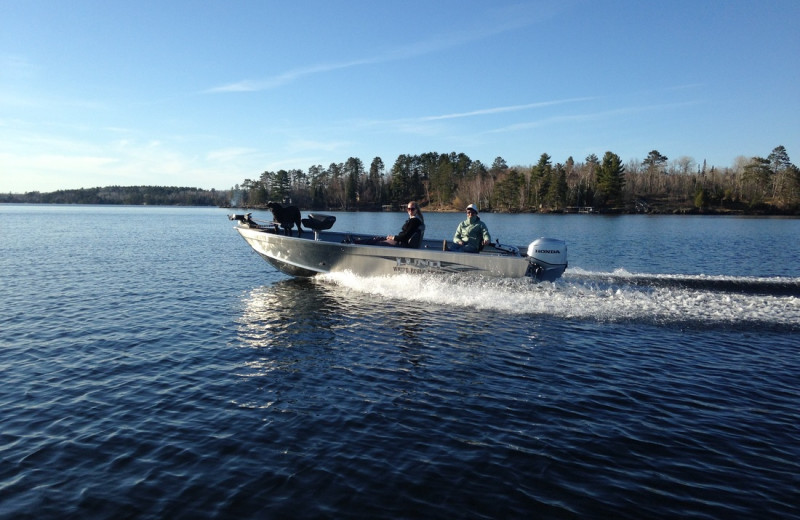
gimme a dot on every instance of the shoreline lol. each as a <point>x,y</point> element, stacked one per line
<point>761,211</point>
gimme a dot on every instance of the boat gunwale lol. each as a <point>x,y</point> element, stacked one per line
<point>341,238</point>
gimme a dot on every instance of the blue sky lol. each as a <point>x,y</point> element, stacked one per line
<point>209,93</point>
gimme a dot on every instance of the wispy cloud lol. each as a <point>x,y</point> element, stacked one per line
<point>288,77</point>
<point>292,163</point>
<point>508,22</point>
<point>625,111</point>
<point>689,86</point>
<point>500,110</point>
<point>229,154</point>
<point>430,125</point>
<point>16,67</point>
<point>308,144</point>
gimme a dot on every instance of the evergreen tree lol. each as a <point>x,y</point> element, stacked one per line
<point>353,172</point>
<point>499,166</point>
<point>654,160</point>
<point>539,181</point>
<point>442,181</point>
<point>507,191</point>
<point>557,190</point>
<point>374,186</point>
<point>319,183</point>
<point>610,179</point>
<point>700,197</point>
<point>756,180</point>
<point>281,188</point>
<point>783,179</point>
<point>336,195</point>
<point>400,187</point>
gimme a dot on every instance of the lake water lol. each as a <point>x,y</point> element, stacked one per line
<point>153,366</point>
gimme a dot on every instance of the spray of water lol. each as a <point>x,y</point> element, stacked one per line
<point>607,297</point>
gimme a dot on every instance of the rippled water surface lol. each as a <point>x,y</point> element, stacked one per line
<point>153,366</point>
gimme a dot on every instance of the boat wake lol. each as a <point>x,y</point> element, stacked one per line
<point>741,284</point>
<point>742,303</point>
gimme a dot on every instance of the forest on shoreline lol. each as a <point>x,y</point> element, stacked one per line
<point>125,195</point>
<point>444,182</point>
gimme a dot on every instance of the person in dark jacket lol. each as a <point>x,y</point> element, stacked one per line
<point>410,227</point>
<point>471,234</point>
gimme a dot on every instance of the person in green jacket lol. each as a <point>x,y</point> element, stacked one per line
<point>471,234</point>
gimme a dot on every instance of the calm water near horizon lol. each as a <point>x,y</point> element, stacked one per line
<point>155,367</point>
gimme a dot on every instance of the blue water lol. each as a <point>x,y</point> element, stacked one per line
<point>153,366</point>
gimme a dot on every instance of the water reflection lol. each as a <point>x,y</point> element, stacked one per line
<point>289,312</point>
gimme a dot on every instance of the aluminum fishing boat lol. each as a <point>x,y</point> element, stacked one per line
<point>321,250</point>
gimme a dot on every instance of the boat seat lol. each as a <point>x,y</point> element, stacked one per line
<point>319,222</point>
<point>416,239</point>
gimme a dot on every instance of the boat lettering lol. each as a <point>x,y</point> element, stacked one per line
<point>419,263</point>
<point>549,251</point>
<point>408,270</point>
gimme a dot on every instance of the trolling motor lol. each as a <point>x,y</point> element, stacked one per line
<point>238,217</point>
<point>243,219</point>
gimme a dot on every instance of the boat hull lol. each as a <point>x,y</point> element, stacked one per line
<point>331,252</point>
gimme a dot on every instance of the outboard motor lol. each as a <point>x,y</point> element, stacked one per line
<point>548,258</point>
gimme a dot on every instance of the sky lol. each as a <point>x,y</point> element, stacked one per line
<point>209,93</point>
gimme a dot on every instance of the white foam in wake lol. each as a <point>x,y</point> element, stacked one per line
<point>624,274</point>
<point>581,299</point>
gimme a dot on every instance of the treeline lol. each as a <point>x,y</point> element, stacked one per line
<point>134,195</point>
<point>450,181</point>
<point>767,185</point>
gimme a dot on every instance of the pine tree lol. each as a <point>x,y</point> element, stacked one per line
<point>610,179</point>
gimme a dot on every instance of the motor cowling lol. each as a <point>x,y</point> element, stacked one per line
<point>548,252</point>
